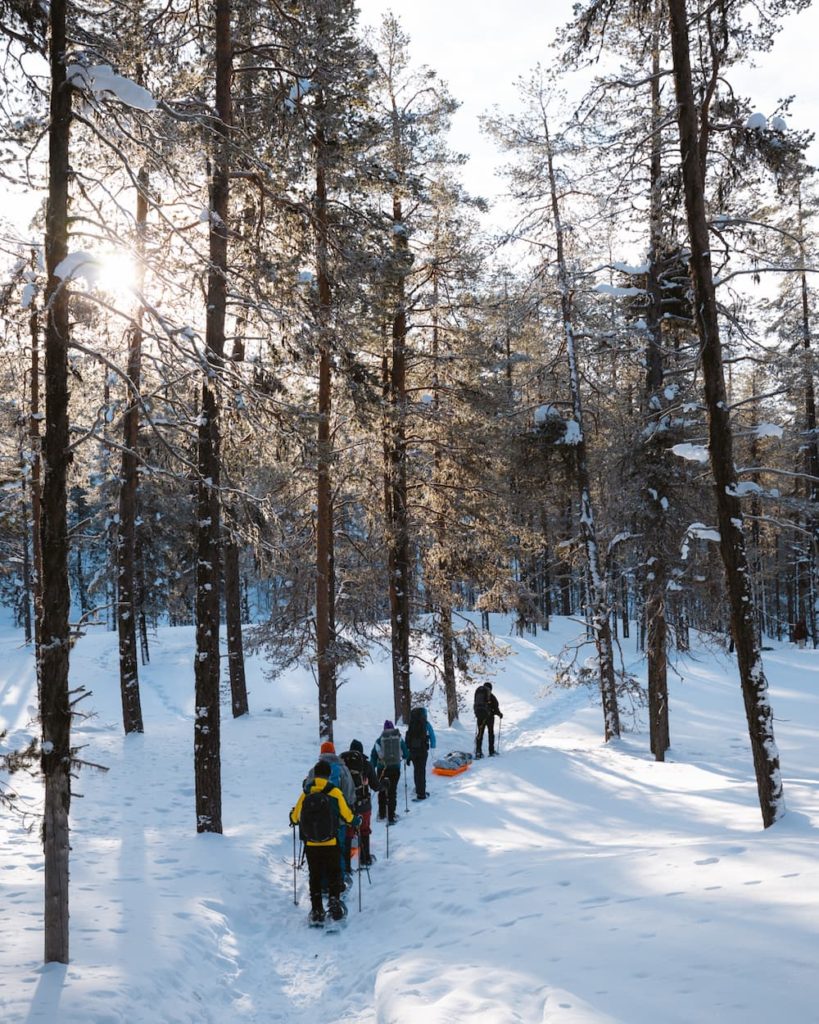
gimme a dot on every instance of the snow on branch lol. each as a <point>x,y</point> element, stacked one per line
<point>691,452</point>
<point>698,531</point>
<point>102,81</point>
<point>611,289</point>
<point>79,265</point>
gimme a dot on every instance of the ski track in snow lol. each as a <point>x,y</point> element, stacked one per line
<point>566,881</point>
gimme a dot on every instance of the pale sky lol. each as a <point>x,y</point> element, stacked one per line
<point>480,49</point>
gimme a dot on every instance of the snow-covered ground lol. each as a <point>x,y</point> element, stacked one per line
<point>566,881</point>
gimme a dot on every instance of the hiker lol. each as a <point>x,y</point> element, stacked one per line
<point>800,633</point>
<point>486,707</point>
<point>420,739</point>
<point>365,779</point>
<point>319,821</point>
<point>339,776</point>
<point>386,756</point>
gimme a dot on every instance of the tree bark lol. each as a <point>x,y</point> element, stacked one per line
<point>126,530</point>
<point>599,613</point>
<point>325,638</point>
<point>36,487</point>
<point>55,710</point>
<point>445,596</point>
<point>398,524</point>
<point>758,710</point>
<point>207,724</point>
<point>233,623</point>
<point>656,575</point>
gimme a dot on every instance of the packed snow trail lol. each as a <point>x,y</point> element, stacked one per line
<point>565,880</point>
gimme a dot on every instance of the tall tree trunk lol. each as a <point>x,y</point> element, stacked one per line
<point>445,596</point>
<point>207,724</point>
<point>398,524</point>
<point>325,638</point>
<point>811,444</point>
<point>656,575</point>
<point>233,625</point>
<point>731,523</point>
<point>126,532</point>
<point>599,613</point>
<point>55,710</point>
<point>36,492</point>
<point>25,602</point>
<point>144,650</point>
<point>233,587</point>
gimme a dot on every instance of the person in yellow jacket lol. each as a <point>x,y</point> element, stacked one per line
<point>318,811</point>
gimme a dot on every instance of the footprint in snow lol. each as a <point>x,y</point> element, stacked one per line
<point>708,860</point>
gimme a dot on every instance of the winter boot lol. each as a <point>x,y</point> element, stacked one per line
<point>317,913</point>
<point>336,909</point>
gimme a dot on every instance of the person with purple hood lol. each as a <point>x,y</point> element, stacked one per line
<point>386,756</point>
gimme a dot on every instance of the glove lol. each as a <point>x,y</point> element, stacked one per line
<point>357,821</point>
<point>408,761</point>
<point>500,714</point>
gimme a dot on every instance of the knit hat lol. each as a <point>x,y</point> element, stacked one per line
<point>388,724</point>
<point>357,745</point>
<point>327,748</point>
<point>322,770</point>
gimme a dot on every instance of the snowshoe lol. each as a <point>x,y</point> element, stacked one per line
<point>336,916</point>
<point>316,919</point>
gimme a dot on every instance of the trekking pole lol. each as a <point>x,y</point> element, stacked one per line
<point>406,799</point>
<point>359,872</point>
<point>500,723</point>
<point>388,839</point>
<point>295,898</point>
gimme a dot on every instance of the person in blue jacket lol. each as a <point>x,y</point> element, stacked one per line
<point>389,750</point>
<point>420,739</point>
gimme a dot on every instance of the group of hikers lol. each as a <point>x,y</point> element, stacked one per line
<point>335,803</point>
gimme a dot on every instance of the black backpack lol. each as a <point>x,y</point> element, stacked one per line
<point>318,821</point>
<point>357,765</point>
<point>481,700</point>
<point>417,738</point>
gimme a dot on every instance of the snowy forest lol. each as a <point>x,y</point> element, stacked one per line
<point>274,379</point>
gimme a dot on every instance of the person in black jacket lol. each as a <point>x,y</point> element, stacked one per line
<point>366,780</point>
<point>485,707</point>
<point>420,738</point>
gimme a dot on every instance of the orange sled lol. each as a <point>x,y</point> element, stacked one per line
<point>454,763</point>
<point>450,771</point>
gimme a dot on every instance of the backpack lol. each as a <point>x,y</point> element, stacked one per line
<point>357,765</point>
<point>318,821</point>
<point>391,747</point>
<point>417,737</point>
<point>481,704</point>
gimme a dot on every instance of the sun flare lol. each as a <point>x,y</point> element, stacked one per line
<point>117,275</point>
